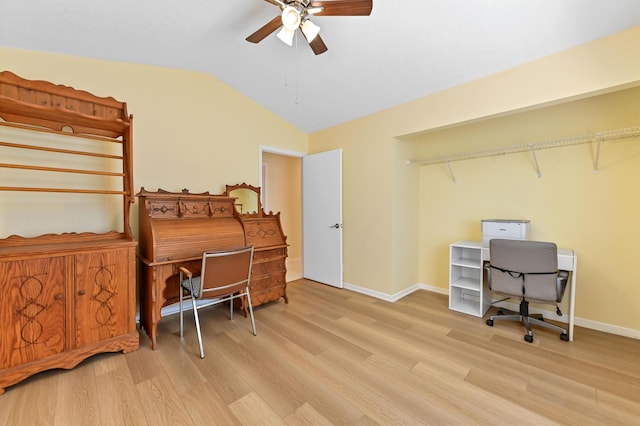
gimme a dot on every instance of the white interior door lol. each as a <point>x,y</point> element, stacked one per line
<point>322,217</point>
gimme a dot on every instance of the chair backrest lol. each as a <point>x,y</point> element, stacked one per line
<point>225,272</point>
<point>524,268</point>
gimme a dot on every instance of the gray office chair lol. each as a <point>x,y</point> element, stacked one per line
<point>527,270</point>
<point>225,276</point>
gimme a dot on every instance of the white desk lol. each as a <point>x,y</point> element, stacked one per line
<point>567,261</point>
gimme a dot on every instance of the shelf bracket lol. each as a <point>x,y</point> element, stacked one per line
<point>453,176</point>
<point>535,159</point>
<point>595,164</point>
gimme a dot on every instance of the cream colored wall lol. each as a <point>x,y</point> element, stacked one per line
<point>283,188</point>
<point>594,214</point>
<point>367,188</point>
<point>372,163</point>
<point>190,129</point>
<point>21,212</point>
<point>193,124</point>
<point>406,207</point>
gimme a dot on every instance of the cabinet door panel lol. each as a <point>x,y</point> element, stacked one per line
<point>101,294</point>
<point>32,310</point>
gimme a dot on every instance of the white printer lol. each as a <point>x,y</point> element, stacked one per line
<point>504,228</point>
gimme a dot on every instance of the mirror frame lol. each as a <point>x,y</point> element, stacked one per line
<point>243,185</point>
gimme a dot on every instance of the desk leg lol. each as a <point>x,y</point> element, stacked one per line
<point>572,299</point>
<point>154,281</point>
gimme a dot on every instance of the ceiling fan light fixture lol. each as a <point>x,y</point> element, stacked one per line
<point>286,36</point>
<point>310,30</point>
<point>291,18</point>
<point>295,14</point>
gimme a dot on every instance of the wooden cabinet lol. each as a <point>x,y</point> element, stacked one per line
<point>64,303</point>
<point>65,296</point>
<point>268,274</point>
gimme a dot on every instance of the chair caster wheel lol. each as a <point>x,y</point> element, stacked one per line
<point>490,322</point>
<point>565,337</point>
<point>528,338</point>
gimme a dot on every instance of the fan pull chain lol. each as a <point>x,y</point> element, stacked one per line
<point>295,73</point>
<point>286,68</point>
<point>296,69</point>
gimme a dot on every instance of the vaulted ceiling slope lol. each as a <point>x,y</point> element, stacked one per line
<point>405,50</point>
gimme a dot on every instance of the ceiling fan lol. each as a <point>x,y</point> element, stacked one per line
<point>295,15</point>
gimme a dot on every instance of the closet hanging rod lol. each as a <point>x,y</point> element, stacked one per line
<point>602,136</point>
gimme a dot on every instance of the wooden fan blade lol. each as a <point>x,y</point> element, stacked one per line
<point>343,7</point>
<point>318,46</point>
<point>267,29</point>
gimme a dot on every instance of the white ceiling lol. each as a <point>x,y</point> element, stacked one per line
<point>403,51</point>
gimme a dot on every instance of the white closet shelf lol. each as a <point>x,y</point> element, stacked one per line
<point>601,136</point>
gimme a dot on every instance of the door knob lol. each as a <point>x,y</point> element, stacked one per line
<point>337,226</point>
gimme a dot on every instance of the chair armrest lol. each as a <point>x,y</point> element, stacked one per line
<point>186,271</point>
<point>561,284</point>
<point>487,269</point>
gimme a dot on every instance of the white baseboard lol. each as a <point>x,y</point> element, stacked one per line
<point>593,325</point>
<point>608,328</point>
<point>393,297</point>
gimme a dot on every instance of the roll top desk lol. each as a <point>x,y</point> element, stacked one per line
<point>177,227</point>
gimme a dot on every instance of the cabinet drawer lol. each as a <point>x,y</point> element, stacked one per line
<point>262,255</point>
<point>268,289</point>
<point>267,283</point>
<point>272,267</point>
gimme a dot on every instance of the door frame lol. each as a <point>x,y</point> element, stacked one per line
<point>274,150</point>
<point>294,266</point>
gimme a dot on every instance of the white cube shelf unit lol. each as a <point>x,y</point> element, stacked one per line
<point>468,291</point>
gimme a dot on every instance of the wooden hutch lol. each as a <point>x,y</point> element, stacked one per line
<point>177,227</point>
<point>65,297</point>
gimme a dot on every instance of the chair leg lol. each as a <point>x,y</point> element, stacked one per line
<point>526,323</point>
<point>197,320</point>
<point>514,317</point>
<point>547,325</point>
<point>181,291</point>
<point>527,319</point>
<point>231,309</point>
<point>253,321</point>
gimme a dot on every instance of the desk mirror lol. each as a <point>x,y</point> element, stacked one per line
<point>247,198</point>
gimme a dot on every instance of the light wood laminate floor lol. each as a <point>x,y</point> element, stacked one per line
<point>333,356</point>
